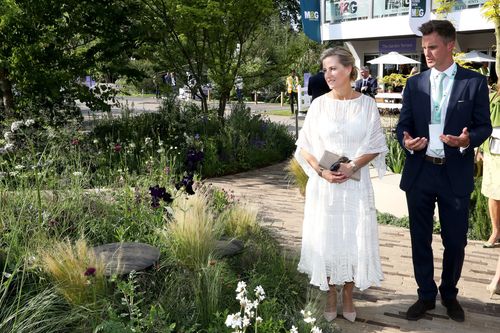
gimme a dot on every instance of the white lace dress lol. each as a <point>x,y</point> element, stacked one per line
<point>340,233</point>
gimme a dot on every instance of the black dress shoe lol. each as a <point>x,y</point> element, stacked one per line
<point>418,310</point>
<point>454,309</point>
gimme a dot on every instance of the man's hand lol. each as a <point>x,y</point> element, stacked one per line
<point>462,140</point>
<point>414,144</point>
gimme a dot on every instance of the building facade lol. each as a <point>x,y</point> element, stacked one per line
<point>371,28</point>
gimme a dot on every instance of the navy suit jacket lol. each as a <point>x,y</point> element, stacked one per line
<point>317,86</point>
<point>371,84</point>
<point>468,106</point>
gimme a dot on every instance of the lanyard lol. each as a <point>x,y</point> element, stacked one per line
<point>438,105</point>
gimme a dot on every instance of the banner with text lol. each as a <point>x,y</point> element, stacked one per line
<point>420,12</point>
<point>311,21</point>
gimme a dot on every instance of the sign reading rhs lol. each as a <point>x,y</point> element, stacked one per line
<point>310,12</point>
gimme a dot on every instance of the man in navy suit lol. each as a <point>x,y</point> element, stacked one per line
<point>445,114</point>
<point>366,85</point>
<point>317,85</point>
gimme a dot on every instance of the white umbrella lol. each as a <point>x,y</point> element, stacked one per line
<point>393,58</point>
<point>476,56</point>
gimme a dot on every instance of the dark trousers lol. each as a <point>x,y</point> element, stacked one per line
<point>293,99</point>
<point>431,186</point>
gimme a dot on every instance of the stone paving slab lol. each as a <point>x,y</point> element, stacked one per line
<point>380,309</point>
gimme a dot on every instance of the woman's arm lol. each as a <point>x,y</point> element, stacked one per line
<point>348,169</point>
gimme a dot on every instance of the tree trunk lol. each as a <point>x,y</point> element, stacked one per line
<point>222,106</point>
<point>7,95</point>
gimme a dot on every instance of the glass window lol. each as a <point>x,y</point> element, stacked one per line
<point>337,11</point>
<point>383,8</point>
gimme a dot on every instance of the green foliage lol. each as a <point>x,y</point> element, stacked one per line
<point>207,38</point>
<point>479,220</point>
<point>395,158</point>
<point>394,80</point>
<point>48,47</point>
<point>297,176</point>
<point>491,11</point>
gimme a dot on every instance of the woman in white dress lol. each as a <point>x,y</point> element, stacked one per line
<point>340,235</point>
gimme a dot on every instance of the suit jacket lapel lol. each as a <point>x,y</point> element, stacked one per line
<point>425,85</point>
<point>458,86</point>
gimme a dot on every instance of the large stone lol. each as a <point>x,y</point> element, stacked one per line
<point>122,258</point>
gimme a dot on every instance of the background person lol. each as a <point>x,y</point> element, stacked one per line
<point>490,186</point>
<point>340,232</point>
<point>366,85</point>
<point>439,133</point>
<point>317,85</point>
<point>292,83</point>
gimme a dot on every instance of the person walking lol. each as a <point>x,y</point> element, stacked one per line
<point>366,85</point>
<point>317,85</point>
<point>238,84</point>
<point>292,83</point>
<point>445,115</point>
<point>340,236</point>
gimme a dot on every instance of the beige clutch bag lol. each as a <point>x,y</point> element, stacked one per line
<point>331,161</point>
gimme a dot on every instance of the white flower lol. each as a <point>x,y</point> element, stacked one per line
<point>95,141</point>
<point>246,322</point>
<point>9,147</point>
<point>308,317</point>
<point>19,167</point>
<point>3,174</point>
<point>8,136</point>
<point>13,173</point>
<point>294,329</point>
<point>161,150</point>
<point>316,330</point>
<point>258,320</point>
<point>77,173</point>
<point>7,275</point>
<point>132,145</point>
<point>233,320</point>
<point>242,286</point>
<point>147,140</point>
<point>29,122</point>
<point>260,293</point>
<point>16,125</point>
<point>160,143</point>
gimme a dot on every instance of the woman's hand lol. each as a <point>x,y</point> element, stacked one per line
<point>334,176</point>
<point>347,169</point>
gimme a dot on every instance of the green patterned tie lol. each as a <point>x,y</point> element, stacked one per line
<point>436,117</point>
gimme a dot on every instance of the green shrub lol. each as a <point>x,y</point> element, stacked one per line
<point>395,158</point>
<point>479,220</point>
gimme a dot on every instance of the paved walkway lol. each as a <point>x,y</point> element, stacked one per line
<point>379,309</point>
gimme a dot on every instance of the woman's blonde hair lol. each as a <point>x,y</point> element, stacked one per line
<point>345,58</point>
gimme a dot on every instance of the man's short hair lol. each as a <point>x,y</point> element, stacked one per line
<point>365,68</point>
<point>443,28</point>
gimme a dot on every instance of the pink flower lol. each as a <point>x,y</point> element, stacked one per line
<point>118,147</point>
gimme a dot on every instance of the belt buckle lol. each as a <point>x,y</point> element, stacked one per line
<point>438,161</point>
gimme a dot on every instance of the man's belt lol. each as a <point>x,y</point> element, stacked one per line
<point>435,160</point>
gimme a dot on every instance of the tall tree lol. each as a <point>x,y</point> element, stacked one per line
<point>491,10</point>
<point>208,38</point>
<point>47,45</point>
